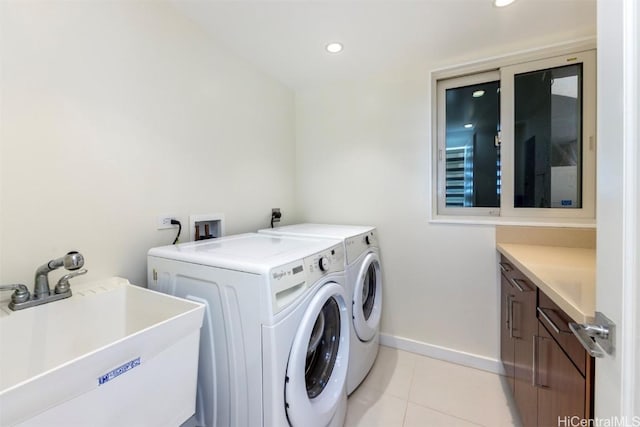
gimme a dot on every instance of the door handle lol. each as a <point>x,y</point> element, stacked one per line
<point>597,338</point>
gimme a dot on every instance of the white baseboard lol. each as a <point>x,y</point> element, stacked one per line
<point>443,353</point>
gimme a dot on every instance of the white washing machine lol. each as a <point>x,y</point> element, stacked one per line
<point>274,346</point>
<point>364,286</point>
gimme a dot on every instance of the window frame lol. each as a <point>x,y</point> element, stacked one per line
<point>507,66</point>
<point>588,157</point>
<point>472,79</point>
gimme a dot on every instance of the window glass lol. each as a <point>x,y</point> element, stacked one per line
<point>547,138</point>
<point>472,159</point>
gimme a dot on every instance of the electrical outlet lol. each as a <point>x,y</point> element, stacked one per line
<point>164,221</point>
<point>275,216</point>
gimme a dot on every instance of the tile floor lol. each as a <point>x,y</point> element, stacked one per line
<point>409,390</point>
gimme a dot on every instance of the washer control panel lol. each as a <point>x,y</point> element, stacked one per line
<point>359,244</point>
<point>290,281</point>
<point>325,262</point>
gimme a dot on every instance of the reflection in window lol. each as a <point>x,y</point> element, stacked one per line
<point>472,168</point>
<point>548,123</point>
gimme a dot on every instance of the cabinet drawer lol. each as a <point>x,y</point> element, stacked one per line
<point>515,278</point>
<point>556,322</point>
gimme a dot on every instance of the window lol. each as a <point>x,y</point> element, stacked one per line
<point>470,155</point>
<point>517,141</point>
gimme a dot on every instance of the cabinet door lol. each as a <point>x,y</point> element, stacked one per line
<point>561,386</point>
<point>506,340</point>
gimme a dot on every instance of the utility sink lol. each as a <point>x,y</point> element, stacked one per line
<point>112,354</point>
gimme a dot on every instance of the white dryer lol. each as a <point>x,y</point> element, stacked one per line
<point>364,286</point>
<point>275,341</point>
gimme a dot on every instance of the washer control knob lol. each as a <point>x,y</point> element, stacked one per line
<point>323,263</point>
<point>367,240</point>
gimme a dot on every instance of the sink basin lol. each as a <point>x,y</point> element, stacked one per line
<point>112,354</point>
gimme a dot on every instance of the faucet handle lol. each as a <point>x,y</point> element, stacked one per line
<point>63,284</point>
<point>20,294</point>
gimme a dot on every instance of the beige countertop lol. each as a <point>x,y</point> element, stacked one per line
<point>566,275</point>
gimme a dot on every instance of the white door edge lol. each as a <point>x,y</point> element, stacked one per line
<point>617,376</point>
<point>630,348</point>
<point>617,296</point>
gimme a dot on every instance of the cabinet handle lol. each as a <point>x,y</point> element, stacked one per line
<point>535,361</point>
<point>507,312</point>
<point>551,323</point>
<point>521,288</point>
<point>505,267</point>
<point>516,315</point>
<point>510,313</point>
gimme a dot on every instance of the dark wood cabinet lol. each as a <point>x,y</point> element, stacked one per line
<point>564,370</point>
<point>561,387</point>
<point>507,348</point>
<point>548,371</point>
<point>520,326</point>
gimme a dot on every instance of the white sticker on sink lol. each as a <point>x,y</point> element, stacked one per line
<point>118,371</point>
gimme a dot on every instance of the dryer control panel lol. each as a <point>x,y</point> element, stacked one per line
<point>359,244</point>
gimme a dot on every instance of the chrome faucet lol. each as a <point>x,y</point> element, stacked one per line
<point>72,261</point>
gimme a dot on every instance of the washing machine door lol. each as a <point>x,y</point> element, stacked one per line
<point>317,368</point>
<point>367,298</point>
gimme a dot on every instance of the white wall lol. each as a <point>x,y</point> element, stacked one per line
<point>115,112</point>
<point>363,158</point>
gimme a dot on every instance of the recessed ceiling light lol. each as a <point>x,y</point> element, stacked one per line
<point>468,126</point>
<point>334,47</point>
<point>478,93</point>
<point>502,3</point>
